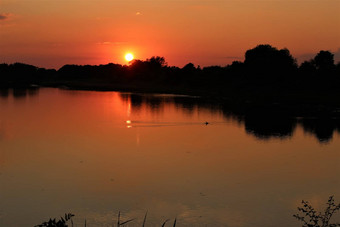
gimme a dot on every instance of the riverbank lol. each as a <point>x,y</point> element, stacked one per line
<point>300,102</point>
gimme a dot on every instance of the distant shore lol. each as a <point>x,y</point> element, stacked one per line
<point>267,77</point>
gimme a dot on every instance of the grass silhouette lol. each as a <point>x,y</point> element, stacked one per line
<point>308,216</point>
<point>63,221</point>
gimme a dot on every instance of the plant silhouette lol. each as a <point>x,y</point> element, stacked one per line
<point>264,65</point>
<point>311,218</point>
<point>62,222</point>
<point>68,217</point>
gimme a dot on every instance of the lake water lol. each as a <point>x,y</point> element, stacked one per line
<point>97,153</point>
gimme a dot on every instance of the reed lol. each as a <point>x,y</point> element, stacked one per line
<point>308,216</point>
<point>68,217</point>
<point>145,219</point>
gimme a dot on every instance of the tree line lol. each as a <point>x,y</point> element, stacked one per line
<point>264,66</point>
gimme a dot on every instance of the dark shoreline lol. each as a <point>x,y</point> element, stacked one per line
<point>266,97</point>
<point>268,79</point>
<point>305,102</point>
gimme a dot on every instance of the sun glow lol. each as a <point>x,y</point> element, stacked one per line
<point>129,57</point>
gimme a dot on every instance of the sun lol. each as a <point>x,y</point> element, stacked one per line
<point>129,57</point>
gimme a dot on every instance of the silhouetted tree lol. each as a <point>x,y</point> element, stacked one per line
<point>157,62</point>
<point>307,74</point>
<point>326,70</point>
<point>337,69</point>
<point>324,60</point>
<point>307,67</point>
<point>138,67</point>
<point>4,75</point>
<point>213,71</point>
<point>269,64</point>
<point>236,70</point>
<point>18,74</point>
<point>189,68</point>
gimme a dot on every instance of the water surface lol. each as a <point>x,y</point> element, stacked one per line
<point>96,153</point>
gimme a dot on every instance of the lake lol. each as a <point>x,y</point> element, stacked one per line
<point>94,154</point>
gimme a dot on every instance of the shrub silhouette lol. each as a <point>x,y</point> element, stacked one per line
<point>312,218</point>
<point>63,221</point>
<point>60,223</point>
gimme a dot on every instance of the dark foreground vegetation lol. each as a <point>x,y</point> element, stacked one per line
<point>63,221</point>
<point>312,218</point>
<point>308,215</point>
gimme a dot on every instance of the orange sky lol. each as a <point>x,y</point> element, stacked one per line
<point>53,33</point>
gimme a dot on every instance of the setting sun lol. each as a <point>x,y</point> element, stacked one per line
<point>129,57</point>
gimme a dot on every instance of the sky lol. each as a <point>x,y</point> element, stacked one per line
<point>52,33</point>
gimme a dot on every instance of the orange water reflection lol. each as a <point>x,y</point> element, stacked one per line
<point>72,151</point>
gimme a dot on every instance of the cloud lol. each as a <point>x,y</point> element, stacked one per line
<point>3,16</point>
<point>111,43</point>
<point>6,19</point>
<point>104,43</point>
<point>6,16</point>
